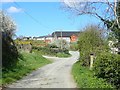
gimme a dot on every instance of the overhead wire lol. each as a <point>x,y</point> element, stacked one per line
<point>32,17</point>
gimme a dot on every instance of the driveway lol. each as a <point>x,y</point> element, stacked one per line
<point>54,75</point>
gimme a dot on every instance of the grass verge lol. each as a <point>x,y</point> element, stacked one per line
<point>86,79</point>
<point>30,62</point>
<point>63,55</point>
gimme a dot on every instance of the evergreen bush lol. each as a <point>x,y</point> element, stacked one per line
<point>107,66</point>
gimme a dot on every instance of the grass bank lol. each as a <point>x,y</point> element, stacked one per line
<point>85,78</point>
<point>29,62</point>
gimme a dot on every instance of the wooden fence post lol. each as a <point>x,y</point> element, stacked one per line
<point>91,60</point>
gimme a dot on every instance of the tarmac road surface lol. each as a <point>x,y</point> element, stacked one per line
<point>54,75</point>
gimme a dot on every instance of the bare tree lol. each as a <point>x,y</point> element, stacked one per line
<point>107,11</point>
<point>102,9</point>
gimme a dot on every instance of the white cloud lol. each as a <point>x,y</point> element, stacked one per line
<point>14,10</point>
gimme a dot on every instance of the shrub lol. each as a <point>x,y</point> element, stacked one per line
<point>73,46</point>
<point>90,41</point>
<point>9,53</point>
<point>107,66</point>
<point>52,46</point>
<point>61,43</point>
<point>9,50</point>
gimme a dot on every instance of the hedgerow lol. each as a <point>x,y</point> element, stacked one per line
<point>52,51</point>
<point>107,66</point>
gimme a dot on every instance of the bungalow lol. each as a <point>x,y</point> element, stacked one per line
<point>39,38</point>
<point>47,39</point>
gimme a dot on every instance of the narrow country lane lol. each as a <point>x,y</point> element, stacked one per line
<point>54,75</point>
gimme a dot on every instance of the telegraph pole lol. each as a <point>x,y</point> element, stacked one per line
<point>61,39</point>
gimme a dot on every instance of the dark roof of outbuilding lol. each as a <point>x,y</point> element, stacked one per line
<point>26,37</point>
<point>65,33</point>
